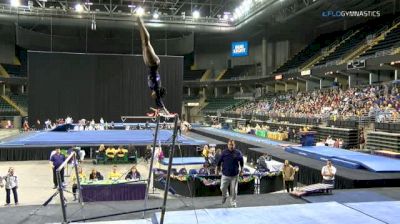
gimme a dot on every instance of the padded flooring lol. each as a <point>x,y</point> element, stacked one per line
<point>88,138</point>
<point>315,213</point>
<point>348,196</point>
<point>371,162</point>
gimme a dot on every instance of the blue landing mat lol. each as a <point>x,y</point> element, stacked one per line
<point>314,213</point>
<point>184,161</point>
<point>347,197</point>
<point>348,158</point>
<point>88,138</point>
<point>388,212</point>
<point>236,135</point>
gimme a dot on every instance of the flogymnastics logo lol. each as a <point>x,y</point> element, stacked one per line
<point>351,13</point>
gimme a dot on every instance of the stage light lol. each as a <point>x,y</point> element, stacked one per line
<point>78,8</point>
<point>232,19</point>
<point>156,15</point>
<point>139,11</point>
<point>226,17</point>
<point>15,3</point>
<point>196,14</point>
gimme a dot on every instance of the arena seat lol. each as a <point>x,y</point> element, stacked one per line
<point>6,109</point>
<point>238,71</point>
<point>193,74</point>
<point>391,39</point>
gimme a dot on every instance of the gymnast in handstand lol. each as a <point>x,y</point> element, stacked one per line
<point>153,62</point>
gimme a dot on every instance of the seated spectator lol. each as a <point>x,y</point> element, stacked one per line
<point>121,152</point>
<point>26,126</point>
<point>101,152</point>
<point>133,174</point>
<point>336,143</point>
<point>262,163</point>
<point>114,174</point>
<point>82,177</point>
<point>110,152</point>
<point>206,170</point>
<point>9,124</point>
<point>95,175</point>
<point>182,172</point>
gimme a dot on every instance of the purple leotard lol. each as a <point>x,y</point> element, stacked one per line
<point>154,83</point>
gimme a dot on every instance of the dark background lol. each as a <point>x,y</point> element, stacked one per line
<point>97,85</point>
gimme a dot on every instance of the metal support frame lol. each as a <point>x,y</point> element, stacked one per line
<point>60,184</point>
<point>151,164</point>
<point>171,152</point>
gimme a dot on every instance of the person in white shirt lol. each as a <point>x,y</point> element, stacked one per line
<point>11,184</point>
<point>328,173</point>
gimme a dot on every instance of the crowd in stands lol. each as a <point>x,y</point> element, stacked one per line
<point>380,101</point>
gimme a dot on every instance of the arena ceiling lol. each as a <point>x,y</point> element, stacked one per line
<point>220,16</point>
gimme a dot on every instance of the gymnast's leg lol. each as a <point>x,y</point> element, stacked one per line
<point>149,56</point>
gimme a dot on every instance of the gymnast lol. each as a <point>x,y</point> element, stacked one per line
<point>153,62</point>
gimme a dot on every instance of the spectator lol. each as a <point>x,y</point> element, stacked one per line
<point>11,184</point>
<point>26,126</point>
<point>55,161</point>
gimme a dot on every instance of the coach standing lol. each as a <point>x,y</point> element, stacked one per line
<point>231,160</point>
<point>56,160</point>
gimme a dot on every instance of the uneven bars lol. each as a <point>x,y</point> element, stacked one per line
<point>145,117</point>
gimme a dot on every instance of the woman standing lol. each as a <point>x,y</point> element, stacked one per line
<point>11,184</point>
<point>288,175</point>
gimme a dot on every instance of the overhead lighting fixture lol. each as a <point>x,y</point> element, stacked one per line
<point>15,3</point>
<point>226,17</point>
<point>88,3</point>
<point>78,8</point>
<point>139,11</point>
<point>132,6</point>
<point>156,15</point>
<point>196,14</point>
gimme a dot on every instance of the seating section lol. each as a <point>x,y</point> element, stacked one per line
<point>215,104</point>
<point>18,70</point>
<point>6,109</point>
<point>191,98</point>
<point>193,74</point>
<point>20,100</point>
<point>239,71</point>
<point>364,30</point>
<point>310,51</point>
<point>391,40</point>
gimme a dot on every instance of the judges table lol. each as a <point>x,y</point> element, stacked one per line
<point>108,190</point>
<point>199,185</point>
